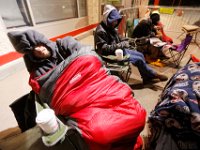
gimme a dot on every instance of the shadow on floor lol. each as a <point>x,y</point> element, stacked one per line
<point>138,84</point>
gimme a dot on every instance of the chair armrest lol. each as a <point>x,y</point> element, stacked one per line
<point>113,58</point>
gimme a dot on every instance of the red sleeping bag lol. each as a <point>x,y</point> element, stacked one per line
<point>102,105</point>
<point>165,38</point>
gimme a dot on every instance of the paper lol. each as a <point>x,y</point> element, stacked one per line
<point>157,42</point>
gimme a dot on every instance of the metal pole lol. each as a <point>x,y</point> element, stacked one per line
<point>30,13</point>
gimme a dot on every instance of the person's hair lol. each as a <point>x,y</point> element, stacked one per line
<point>155,18</point>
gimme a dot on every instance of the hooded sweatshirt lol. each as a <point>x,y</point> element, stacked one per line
<point>24,42</point>
<point>107,39</point>
<point>111,14</point>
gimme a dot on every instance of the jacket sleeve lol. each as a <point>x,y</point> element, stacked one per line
<point>102,45</point>
<point>67,46</point>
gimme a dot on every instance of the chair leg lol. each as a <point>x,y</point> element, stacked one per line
<point>173,57</point>
<point>176,58</point>
<point>128,74</point>
<point>189,61</point>
<point>178,61</point>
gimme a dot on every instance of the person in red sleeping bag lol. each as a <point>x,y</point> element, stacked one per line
<point>72,80</point>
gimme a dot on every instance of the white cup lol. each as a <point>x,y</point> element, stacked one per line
<point>119,54</point>
<point>46,120</point>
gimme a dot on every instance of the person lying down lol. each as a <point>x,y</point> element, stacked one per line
<point>72,80</point>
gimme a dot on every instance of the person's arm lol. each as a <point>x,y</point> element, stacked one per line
<point>122,38</point>
<point>67,46</point>
<point>103,45</point>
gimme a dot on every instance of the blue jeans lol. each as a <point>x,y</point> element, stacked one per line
<point>137,59</point>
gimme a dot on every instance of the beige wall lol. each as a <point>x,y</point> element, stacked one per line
<point>127,3</point>
<point>93,11</point>
<point>5,46</point>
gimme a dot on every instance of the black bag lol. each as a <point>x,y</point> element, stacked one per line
<point>24,111</point>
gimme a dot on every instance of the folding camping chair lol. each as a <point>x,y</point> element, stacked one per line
<point>121,68</point>
<point>177,52</point>
<point>118,67</point>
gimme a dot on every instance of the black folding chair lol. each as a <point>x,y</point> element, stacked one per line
<point>121,68</point>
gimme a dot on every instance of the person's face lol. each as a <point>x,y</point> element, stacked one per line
<point>41,51</point>
<point>114,23</point>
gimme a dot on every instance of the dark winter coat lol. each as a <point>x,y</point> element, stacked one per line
<point>107,39</point>
<point>24,42</point>
<point>143,29</point>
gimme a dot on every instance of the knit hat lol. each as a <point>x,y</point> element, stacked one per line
<point>155,12</point>
<point>24,42</point>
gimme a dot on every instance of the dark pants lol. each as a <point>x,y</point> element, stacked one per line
<point>137,59</point>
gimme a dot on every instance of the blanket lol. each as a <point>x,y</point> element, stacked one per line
<point>178,111</point>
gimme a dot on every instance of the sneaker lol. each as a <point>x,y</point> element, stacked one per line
<point>161,77</point>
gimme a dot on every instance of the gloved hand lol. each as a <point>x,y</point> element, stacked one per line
<point>123,44</point>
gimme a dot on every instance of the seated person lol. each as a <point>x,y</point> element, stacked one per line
<point>107,41</point>
<point>150,50</point>
<point>143,29</point>
<point>158,27</point>
<point>71,79</point>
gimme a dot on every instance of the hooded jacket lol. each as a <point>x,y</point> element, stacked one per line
<point>24,42</point>
<point>106,37</point>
